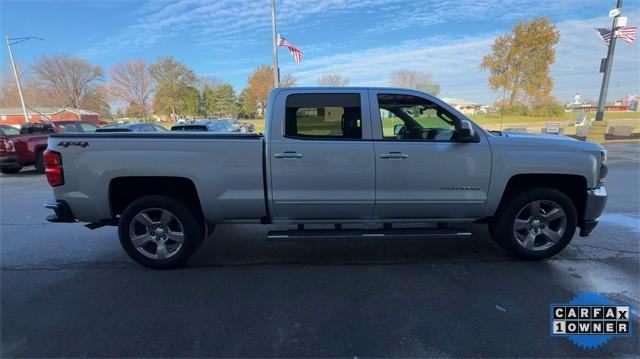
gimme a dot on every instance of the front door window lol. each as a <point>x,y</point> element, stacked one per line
<point>406,117</point>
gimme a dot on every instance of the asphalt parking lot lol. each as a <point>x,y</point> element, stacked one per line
<point>68,291</point>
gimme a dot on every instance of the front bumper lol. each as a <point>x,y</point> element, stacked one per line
<point>9,161</point>
<point>62,212</point>
<point>594,206</point>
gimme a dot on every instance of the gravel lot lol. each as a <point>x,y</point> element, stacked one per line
<point>68,291</point>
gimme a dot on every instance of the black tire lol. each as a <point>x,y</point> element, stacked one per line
<point>189,218</point>
<point>10,170</point>
<point>39,162</point>
<point>502,227</point>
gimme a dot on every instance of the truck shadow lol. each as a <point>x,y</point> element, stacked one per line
<point>28,172</point>
<point>247,245</point>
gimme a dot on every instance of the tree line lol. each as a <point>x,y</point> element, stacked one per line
<point>166,88</point>
<point>518,66</point>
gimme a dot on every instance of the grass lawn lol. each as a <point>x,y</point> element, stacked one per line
<point>492,121</point>
<point>566,117</point>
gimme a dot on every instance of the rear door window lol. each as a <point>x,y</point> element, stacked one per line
<point>323,116</point>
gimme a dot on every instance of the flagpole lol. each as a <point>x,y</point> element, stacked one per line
<point>274,35</point>
<point>607,66</point>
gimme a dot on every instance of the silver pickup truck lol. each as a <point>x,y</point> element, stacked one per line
<point>359,161</point>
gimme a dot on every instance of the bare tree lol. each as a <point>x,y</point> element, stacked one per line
<point>66,78</point>
<point>289,81</point>
<point>333,80</point>
<point>414,80</point>
<point>33,94</point>
<point>131,82</point>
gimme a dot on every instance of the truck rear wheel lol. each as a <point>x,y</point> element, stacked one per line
<point>535,224</point>
<point>160,232</point>
<point>39,162</point>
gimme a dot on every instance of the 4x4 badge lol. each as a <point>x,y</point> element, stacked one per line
<point>66,144</point>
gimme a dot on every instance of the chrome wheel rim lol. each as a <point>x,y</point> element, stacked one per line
<point>156,233</point>
<point>539,225</point>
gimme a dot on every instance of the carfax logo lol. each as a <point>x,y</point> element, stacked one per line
<point>590,320</point>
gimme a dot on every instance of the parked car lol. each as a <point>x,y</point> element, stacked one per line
<point>24,148</point>
<point>331,155</point>
<point>240,126</point>
<point>582,120</point>
<point>132,127</point>
<point>211,126</point>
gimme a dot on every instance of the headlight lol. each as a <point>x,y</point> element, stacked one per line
<point>603,166</point>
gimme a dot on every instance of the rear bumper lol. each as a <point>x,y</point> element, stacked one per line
<point>594,207</point>
<point>62,212</point>
<point>9,161</point>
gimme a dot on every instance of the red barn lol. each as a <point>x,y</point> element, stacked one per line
<point>15,116</point>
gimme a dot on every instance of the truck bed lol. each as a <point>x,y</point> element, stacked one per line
<point>226,169</point>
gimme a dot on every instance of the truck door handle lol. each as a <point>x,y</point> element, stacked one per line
<point>394,156</point>
<point>289,155</point>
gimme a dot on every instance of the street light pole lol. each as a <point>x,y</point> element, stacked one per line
<point>274,35</point>
<point>602,100</point>
<point>15,73</point>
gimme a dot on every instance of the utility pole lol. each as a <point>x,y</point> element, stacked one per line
<point>602,100</point>
<point>274,35</point>
<point>15,73</point>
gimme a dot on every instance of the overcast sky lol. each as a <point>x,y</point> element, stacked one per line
<point>363,40</point>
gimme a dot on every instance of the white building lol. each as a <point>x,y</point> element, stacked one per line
<point>466,107</point>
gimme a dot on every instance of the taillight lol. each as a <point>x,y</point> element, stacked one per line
<point>6,145</point>
<point>53,168</point>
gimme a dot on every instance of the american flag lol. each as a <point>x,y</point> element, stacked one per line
<point>626,33</point>
<point>295,52</point>
<point>604,34</point>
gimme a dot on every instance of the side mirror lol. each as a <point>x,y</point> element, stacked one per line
<point>397,129</point>
<point>466,132</point>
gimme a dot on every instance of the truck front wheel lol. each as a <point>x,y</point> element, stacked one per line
<point>535,224</point>
<point>160,232</point>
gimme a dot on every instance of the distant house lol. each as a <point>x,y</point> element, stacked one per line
<point>466,107</point>
<point>593,107</point>
<point>629,103</point>
<point>15,116</point>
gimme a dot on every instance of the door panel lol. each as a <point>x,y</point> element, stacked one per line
<point>321,157</point>
<point>431,180</point>
<point>422,171</point>
<point>322,179</point>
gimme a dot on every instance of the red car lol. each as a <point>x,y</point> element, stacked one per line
<point>24,146</point>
